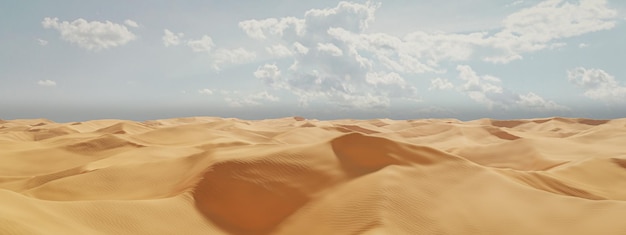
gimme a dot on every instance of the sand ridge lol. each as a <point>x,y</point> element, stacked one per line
<point>210,175</point>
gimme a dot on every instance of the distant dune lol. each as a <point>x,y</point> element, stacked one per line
<point>207,175</point>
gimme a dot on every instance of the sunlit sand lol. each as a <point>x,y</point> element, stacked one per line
<point>207,175</point>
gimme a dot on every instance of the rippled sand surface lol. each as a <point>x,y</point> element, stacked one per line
<point>207,175</point>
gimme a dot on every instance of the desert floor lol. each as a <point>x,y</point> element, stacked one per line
<point>208,175</point>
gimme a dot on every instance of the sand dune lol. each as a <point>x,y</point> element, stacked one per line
<point>207,175</point>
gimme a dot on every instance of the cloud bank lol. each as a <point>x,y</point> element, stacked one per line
<point>91,35</point>
<point>598,84</point>
<point>335,58</point>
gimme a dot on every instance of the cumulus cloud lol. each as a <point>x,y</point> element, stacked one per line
<point>529,30</point>
<point>205,91</point>
<point>91,35</point>
<point>440,84</point>
<point>236,99</point>
<point>597,84</point>
<point>417,52</point>
<point>324,67</point>
<point>170,38</point>
<point>351,16</point>
<point>264,95</point>
<point>300,48</point>
<point>534,28</point>
<point>131,23</point>
<point>278,50</point>
<point>223,57</point>
<point>46,83</point>
<point>268,73</point>
<point>205,44</point>
<point>533,101</point>
<point>334,54</point>
<point>390,84</point>
<point>258,29</point>
<point>329,48</point>
<point>488,90</point>
<point>361,101</point>
<point>483,89</point>
<point>372,91</point>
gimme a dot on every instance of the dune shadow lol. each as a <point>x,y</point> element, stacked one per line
<point>246,198</point>
<point>592,122</point>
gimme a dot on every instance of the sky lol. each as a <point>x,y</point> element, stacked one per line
<point>467,59</point>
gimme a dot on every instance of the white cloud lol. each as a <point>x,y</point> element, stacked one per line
<point>535,102</point>
<point>42,42</point>
<point>347,15</point>
<point>235,99</point>
<point>503,59</point>
<point>254,28</point>
<point>205,44</point>
<point>533,29</point>
<point>324,67</point>
<point>269,73</point>
<point>233,102</point>
<point>417,52</point>
<point>598,84</point>
<point>46,83</point>
<point>440,84</point>
<point>330,49</point>
<point>170,38</point>
<point>279,50</point>
<point>345,53</point>
<point>263,96</point>
<point>223,57</point>
<point>258,29</point>
<point>91,35</point>
<point>488,90</point>
<point>554,19</point>
<point>300,48</point>
<point>351,16</point>
<point>362,101</point>
<point>385,79</point>
<point>205,91</point>
<point>391,85</point>
<point>583,45</point>
<point>528,30</point>
<point>131,23</point>
<point>482,89</point>
<point>372,92</point>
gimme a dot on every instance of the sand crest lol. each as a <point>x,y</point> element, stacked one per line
<point>208,175</point>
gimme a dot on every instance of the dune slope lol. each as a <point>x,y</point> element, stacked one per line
<point>207,175</point>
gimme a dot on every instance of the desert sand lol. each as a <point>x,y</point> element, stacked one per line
<point>206,175</point>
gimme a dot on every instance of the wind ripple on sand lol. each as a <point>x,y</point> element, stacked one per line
<point>207,175</point>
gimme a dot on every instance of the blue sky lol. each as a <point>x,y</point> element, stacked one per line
<point>79,60</point>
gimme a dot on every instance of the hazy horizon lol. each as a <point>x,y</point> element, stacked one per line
<point>76,61</point>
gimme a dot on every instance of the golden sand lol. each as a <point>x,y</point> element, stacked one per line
<point>209,175</point>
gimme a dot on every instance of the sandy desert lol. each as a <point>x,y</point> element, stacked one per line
<point>208,175</point>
